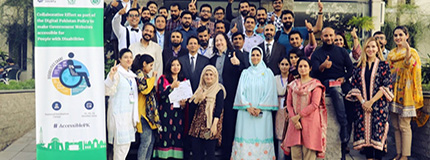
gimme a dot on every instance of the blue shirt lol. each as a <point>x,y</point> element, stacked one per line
<point>284,39</point>
<point>186,34</point>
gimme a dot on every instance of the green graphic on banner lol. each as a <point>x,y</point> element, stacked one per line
<point>68,27</point>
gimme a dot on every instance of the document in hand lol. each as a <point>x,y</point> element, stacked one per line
<point>184,91</point>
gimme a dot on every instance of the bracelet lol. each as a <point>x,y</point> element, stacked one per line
<point>362,101</point>
<point>310,31</point>
<point>320,13</point>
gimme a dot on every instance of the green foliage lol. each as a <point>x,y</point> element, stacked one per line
<point>426,87</point>
<point>18,85</point>
<point>109,64</point>
<point>364,22</point>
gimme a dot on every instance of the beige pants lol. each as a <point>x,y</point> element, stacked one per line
<point>403,133</point>
<point>300,152</point>
<point>120,151</point>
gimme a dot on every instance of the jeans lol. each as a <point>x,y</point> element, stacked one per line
<point>147,140</point>
<point>336,96</point>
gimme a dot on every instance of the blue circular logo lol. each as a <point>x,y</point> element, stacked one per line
<point>56,106</point>
<point>89,105</point>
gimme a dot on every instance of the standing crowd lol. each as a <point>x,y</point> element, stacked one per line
<point>258,90</point>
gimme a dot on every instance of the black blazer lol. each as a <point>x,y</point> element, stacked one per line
<point>166,38</point>
<point>230,72</point>
<point>201,63</point>
<point>168,54</point>
<point>278,51</point>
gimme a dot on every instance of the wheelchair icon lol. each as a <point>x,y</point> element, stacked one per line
<point>71,78</point>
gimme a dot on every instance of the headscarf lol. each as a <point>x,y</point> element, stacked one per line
<point>209,93</point>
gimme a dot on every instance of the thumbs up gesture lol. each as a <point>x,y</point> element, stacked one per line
<point>114,3</point>
<point>123,10</point>
<point>259,29</point>
<point>308,25</point>
<point>234,29</point>
<point>320,6</point>
<point>327,63</point>
<point>234,60</point>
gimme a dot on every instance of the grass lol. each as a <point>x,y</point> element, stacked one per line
<point>18,85</point>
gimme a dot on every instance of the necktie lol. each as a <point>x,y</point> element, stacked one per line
<point>136,30</point>
<point>192,64</point>
<point>268,51</point>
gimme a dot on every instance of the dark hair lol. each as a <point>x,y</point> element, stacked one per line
<point>253,49</point>
<point>294,32</point>
<point>276,0</point>
<point>144,9</point>
<point>158,16</point>
<point>206,5</point>
<point>229,46</point>
<point>219,22</point>
<point>285,12</point>
<point>378,32</point>
<point>284,57</point>
<point>243,1</point>
<point>262,8</point>
<point>345,42</point>
<point>192,37</point>
<point>148,24</point>
<point>202,29</point>
<point>252,5</point>
<point>123,51</point>
<point>151,2</point>
<point>238,34</point>
<point>186,12</point>
<point>168,70</point>
<point>176,31</point>
<point>175,4</point>
<point>219,8</point>
<point>403,28</point>
<point>296,51</point>
<point>133,9</point>
<point>247,17</point>
<point>10,60</point>
<point>138,61</point>
<point>304,59</point>
<point>162,7</point>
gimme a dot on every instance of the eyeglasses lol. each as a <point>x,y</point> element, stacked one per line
<point>133,15</point>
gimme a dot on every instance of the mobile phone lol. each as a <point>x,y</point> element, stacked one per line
<point>260,114</point>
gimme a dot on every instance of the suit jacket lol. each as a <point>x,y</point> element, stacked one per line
<point>168,54</point>
<point>194,78</point>
<point>246,58</point>
<point>278,52</point>
<point>239,22</point>
<point>166,38</point>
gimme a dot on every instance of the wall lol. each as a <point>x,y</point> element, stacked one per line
<point>17,115</point>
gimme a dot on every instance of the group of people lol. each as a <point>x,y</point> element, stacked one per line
<point>258,91</point>
<point>9,72</point>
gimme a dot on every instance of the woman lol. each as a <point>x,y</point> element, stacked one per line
<point>206,126</point>
<point>282,80</point>
<point>170,144</point>
<point>148,109</point>
<point>229,65</point>
<point>371,86</point>
<point>307,128</point>
<point>341,41</point>
<point>255,100</point>
<point>405,67</point>
<point>122,116</point>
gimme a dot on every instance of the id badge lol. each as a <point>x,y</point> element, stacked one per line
<point>131,97</point>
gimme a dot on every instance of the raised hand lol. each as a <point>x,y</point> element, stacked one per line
<point>327,63</point>
<point>272,18</point>
<point>154,74</point>
<point>308,25</point>
<point>354,33</point>
<point>320,6</point>
<point>175,84</point>
<point>114,3</point>
<point>192,6</point>
<point>123,10</point>
<point>234,29</point>
<point>134,5</point>
<point>230,1</point>
<point>113,70</point>
<point>234,60</point>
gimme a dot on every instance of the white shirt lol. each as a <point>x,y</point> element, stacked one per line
<point>270,46</point>
<point>121,33</point>
<point>208,52</point>
<point>152,49</point>
<point>251,42</point>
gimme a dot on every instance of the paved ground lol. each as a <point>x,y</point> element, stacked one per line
<point>25,149</point>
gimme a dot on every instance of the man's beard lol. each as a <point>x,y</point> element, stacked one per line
<point>262,21</point>
<point>203,43</point>
<point>174,17</point>
<point>145,37</point>
<point>175,44</point>
<point>244,13</point>
<point>145,20</point>
<point>160,29</point>
<point>288,25</point>
<point>204,19</point>
<point>268,36</point>
<point>186,25</point>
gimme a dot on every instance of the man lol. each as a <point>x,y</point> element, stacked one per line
<point>287,18</point>
<point>132,32</point>
<point>251,38</point>
<point>252,10</point>
<point>163,11</point>
<point>192,67</point>
<point>175,50</point>
<point>296,41</point>
<point>237,24</point>
<point>272,51</point>
<point>146,17</point>
<point>205,15</point>
<point>276,14</point>
<point>174,21</point>
<point>206,43</point>
<point>238,40</point>
<point>220,27</point>
<point>333,67</point>
<point>153,7</point>
<point>380,37</point>
<point>185,28</point>
<point>219,13</point>
<point>146,46</point>
<point>161,35</point>
<point>262,21</point>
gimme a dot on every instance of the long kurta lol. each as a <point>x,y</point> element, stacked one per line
<point>406,82</point>
<point>146,98</point>
<point>254,135</point>
<point>307,100</point>
<point>371,128</point>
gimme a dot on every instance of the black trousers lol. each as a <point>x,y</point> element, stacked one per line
<point>199,146</point>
